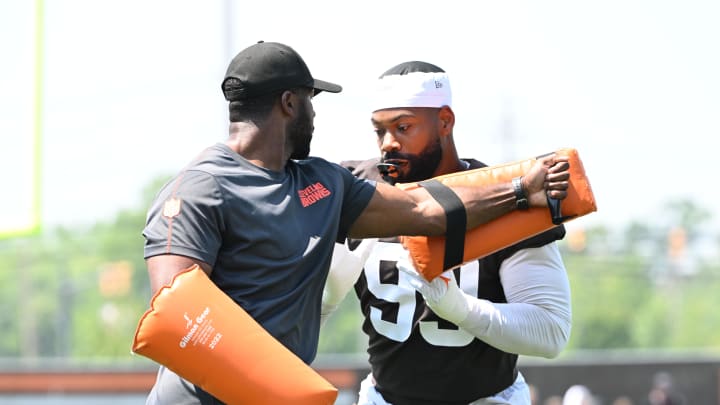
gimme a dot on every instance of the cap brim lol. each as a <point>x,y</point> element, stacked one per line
<point>321,85</point>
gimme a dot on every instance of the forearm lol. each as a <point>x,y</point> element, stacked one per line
<point>483,204</point>
<point>519,328</point>
<point>536,320</point>
<point>393,212</point>
<point>345,268</point>
<point>413,211</point>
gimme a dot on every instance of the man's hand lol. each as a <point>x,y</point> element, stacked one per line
<point>549,177</point>
<point>442,294</point>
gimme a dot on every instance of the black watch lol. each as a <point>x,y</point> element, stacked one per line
<point>521,201</point>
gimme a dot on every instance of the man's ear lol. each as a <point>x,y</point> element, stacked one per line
<point>446,118</point>
<point>287,102</point>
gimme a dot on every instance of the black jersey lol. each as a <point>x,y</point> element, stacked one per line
<point>417,357</point>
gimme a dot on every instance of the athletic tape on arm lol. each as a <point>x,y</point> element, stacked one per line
<point>428,253</point>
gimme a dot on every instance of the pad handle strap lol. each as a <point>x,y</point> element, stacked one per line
<point>456,218</point>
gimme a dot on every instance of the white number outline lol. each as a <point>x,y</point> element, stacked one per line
<point>404,294</point>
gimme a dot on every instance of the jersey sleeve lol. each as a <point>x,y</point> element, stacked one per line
<point>357,195</point>
<point>186,218</point>
<point>536,319</point>
<point>364,169</point>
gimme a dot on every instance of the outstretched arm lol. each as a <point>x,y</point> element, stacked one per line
<point>392,211</point>
<point>535,321</point>
<point>345,268</point>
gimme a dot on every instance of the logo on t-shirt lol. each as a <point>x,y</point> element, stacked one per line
<point>312,194</point>
<point>171,208</point>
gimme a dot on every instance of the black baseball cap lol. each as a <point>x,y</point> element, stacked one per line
<point>268,67</point>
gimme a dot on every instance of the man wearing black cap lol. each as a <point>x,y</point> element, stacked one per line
<point>260,216</point>
<point>454,343</point>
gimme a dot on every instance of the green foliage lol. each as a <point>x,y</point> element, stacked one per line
<point>605,296</point>
<point>78,293</point>
<point>9,298</point>
<point>342,332</point>
<point>646,292</point>
<point>682,313</point>
<point>75,293</point>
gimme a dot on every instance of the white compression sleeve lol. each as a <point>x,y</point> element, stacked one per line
<point>536,320</point>
<point>345,269</point>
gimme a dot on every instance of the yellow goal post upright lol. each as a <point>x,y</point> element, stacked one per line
<point>21,133</point>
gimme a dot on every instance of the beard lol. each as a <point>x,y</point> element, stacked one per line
<point>300,134</point>
<point>419,167</point>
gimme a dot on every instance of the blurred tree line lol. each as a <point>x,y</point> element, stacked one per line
<point>77,293</point>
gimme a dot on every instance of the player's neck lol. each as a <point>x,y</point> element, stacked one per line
<point>258,146</point>
<point>451,163</point>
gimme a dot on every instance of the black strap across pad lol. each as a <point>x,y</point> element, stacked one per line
<point>456,218</point>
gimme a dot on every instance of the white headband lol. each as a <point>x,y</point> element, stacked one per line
<point>416,89</point>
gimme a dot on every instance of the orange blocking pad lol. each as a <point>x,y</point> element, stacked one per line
<point>197,331</point>
<point>427,253</point>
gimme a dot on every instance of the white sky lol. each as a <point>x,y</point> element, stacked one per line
<point>131,89</point>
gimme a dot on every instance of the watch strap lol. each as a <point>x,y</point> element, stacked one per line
<point>521,200</point>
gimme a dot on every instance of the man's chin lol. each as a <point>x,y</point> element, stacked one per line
<point>301,154</point>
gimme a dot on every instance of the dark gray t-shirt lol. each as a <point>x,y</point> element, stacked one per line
<point>268,235</point>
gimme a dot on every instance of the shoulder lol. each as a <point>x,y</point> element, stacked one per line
<point>320,168</point>
<point>318,165</point>
<point>213,160</point>
<point>313,161</point>
<point>203,170</point>
<point>365,169</point>
<point>474,164</point>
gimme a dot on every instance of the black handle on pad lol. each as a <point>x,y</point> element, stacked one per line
<point>556,211</point>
